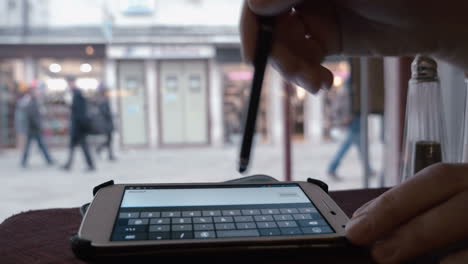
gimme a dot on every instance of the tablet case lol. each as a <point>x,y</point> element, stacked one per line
<point>83,249</point>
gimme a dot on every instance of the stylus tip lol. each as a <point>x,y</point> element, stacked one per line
<point>243,164</point>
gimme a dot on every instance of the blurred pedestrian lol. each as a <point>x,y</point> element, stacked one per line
<point>353,137</point>
<point>79,124</point>
<point>106,113</point>
<point>20,119</point>
<point>31,121</point>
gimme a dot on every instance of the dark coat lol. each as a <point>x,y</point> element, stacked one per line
<point>79,116</point>
<point>105,110</point>
<point>33,117</point>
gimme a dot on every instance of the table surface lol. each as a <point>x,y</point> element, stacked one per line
<point>43,236</point>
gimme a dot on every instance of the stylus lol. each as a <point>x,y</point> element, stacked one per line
<point>262,51</point>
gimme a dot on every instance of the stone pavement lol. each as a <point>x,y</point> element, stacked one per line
<point>40,186</point>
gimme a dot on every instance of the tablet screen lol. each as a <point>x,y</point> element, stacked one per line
<point>169,213</point>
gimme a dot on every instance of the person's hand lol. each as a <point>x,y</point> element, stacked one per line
<point>427,212</point>
<point>355,27</point>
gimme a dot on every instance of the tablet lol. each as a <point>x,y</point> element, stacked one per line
<point>198,218</point>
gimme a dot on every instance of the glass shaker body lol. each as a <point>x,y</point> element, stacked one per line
<point>464,139</point>
<point>425,141</point>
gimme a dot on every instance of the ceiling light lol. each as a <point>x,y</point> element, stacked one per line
<point>55,68</point>
<point>86,67</point>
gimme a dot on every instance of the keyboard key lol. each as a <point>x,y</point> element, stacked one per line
<point>286,224</point>
<point>317,230</point>
<point>251,212</point>
<point>171,214</point>
<point>202,220</point>
<point>231,212</point>
<point>291,231</point>
<point>129,215</point>
<point>246,225</point>
<point>238,233</point>
<point>135,236</point>
<point>225,226</point>
<point>203,227</point>
<point>243,219</point>
<point>270,211</point>
<point>223,219</point>
<point>302,216</point>
<point>131,229</point>
<point>289,211</point>
<point>266,225</point>
<point>263,218</point>
<point>160,221</point>
<point>159,228</point>
<point>205,234</point>
<point>159,236</point>
<point>270,232</point>
<point>283,217</point>
<point>211,213</point>
<point>308,210</point>
<point>181,220</point>
<point>138,221</point>
<point>150,214</point>
<point>191,214</point>
<point>182,235</point>
<point>181,228</point>
<point>311,223</point>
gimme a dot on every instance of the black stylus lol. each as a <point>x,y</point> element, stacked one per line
<point>262,51</point>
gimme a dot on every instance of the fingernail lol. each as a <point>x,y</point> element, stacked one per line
<point>363,209</point>
<point>358,229</point>
<point>308,83</point>
<point>325,86</point>
<point>302,83</point>
<point>385,251</point>
<point>355,223</point>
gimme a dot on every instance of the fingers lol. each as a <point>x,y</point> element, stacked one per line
<point>271,7</point>
<point>427,189</point>
<point>248,32</point>
<point>439,227</point>
<point>457,258</point>
<point>296,57</point>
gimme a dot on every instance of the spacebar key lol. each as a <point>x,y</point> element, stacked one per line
<point>238,233</point>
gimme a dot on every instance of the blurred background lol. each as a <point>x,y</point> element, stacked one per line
<point>177,88</point>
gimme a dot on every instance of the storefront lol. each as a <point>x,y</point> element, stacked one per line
<point>51,74</point>
<point>314,116</point>
<point>236,79</point>
<point>11,89</point>
<point>45,68</point>
<point>172,80</point>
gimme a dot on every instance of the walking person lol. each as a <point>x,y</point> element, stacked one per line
<point>31,116</point>
<point>105,111</point>
<point>342,114</point>
<point>353,137</point>
<point>20,119</point>
<point>79,123</point>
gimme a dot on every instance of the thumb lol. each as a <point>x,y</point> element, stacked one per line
<point>271,7</point>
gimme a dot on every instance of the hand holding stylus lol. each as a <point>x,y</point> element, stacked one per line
<point>429,211</point>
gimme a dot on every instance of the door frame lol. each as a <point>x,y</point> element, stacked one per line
<point>145,108</point>
<point>161,144</point>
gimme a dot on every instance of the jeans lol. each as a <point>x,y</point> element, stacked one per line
<point>107,144</point>
<point>42,147</point>
<point>353,137</point>
<point>81,141</point>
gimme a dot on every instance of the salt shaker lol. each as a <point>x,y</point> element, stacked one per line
<point>425,140</point>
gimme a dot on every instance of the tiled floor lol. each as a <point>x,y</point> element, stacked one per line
<point>45,187</point>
